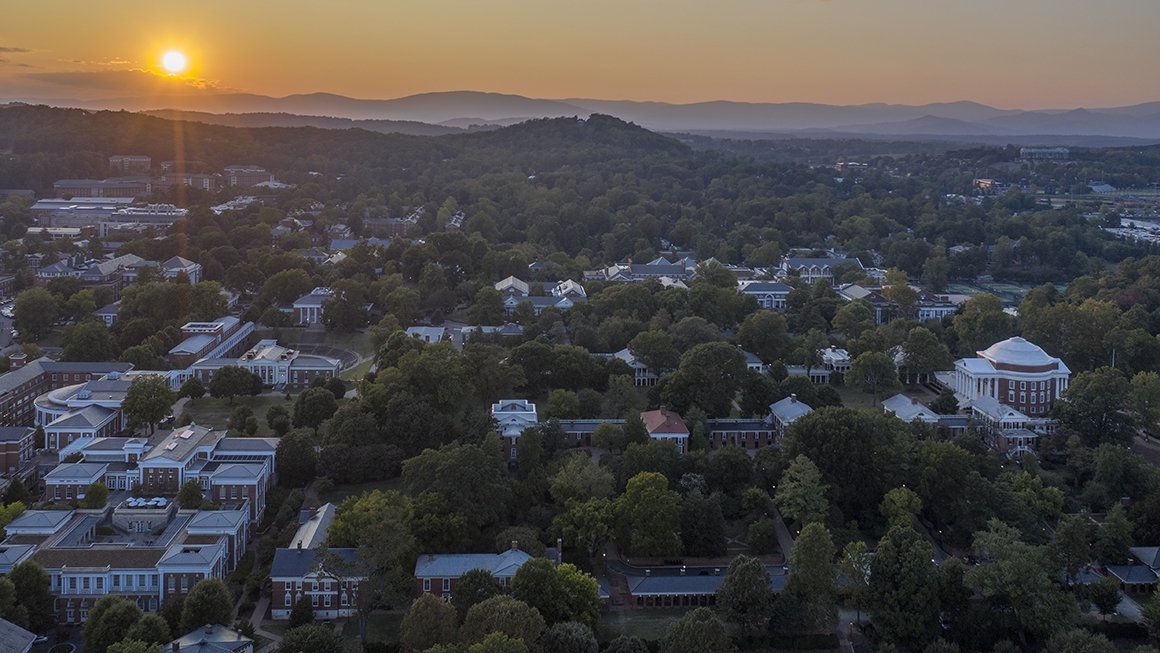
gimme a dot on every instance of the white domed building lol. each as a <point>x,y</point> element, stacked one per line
<point>1014,372</point>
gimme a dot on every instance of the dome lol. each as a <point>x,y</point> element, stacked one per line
<point>1017,351</point>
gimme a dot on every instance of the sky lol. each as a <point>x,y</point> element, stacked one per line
<point>1006,53</point>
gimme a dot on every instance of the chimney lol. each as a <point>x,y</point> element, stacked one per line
<point>300,546</point>
<point>18,360</point>
<point>515,545</point>
<point>208,628</point>
<point>792,398</point>
<point>914,401</point>
<point>175,646</point>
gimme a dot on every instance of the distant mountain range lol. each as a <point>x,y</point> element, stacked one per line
<point>434,113</point>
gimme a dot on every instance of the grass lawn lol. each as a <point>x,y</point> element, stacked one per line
<point>358,341</point>
<point>649,624</point>
<point>341,492</point>
<point>208,411</point>
<point>855,398</point>
<point>278,629</point>
<point>358,371</point>
<point>381,627</point>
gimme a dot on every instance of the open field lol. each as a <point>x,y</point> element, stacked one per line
<point>209,411</point>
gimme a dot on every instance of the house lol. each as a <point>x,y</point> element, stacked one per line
<point>641,374</point>
<point>438,573</point>
<point>308,309</point>
<point>753,363</point>
<point>664,424</point>
<point>427,334</point>
<point>882,308</point>
<point>1006,429</point>
<point>331,583</point>
<point>175,267</point>
<point>512,417</point>
<point>909,409</point>
<point>835,359</point>
<point>211,638</point>
<point>1014,372</point>
<point>669,591</point>
<point>785,412</point>
<point>770,295</point>
<point>815,269</point>
<point>512,287</point>
<point>219,338</point>
<point>108,313</point>
<point>14,639</point>
<point>817,374</point>
<point>744,433</point>
<point>933,306</point>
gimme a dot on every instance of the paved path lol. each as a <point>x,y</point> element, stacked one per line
<point>256,621</point>
<point>1129,609</point>
<point>784,539</point>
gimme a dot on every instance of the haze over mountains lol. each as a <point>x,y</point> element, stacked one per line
<point>434,113</point>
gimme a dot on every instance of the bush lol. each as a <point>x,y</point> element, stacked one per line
<point>762,536</point>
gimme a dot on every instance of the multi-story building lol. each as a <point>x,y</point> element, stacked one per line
<point>131,162</point>
<point>815,269</point>
<point>770,295</point>
<point>1014,372</point>
<point>785,412</point>
<point>664,424</point>
<point>308,309</point>
<point>330,580</point>
<point>79,211</point>
<point>220,338</point>
<point>20,387</point>
<point>89,554</point>
<point>276,365</point>
<point>247,175</point>
<point>16,449</point>
<point>114,187</point>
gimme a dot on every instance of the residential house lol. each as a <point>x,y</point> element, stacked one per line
<point>512,417</point>
<point>744,433</point>
<point>308,309</point>
<point>427,334</point>
<point>330,582</point>
<point>815,269</point>
<point>642,375</point>
<point>108,313</point>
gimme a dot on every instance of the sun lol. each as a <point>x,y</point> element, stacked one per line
<point>173,62</point>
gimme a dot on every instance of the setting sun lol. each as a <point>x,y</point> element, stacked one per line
<point>173,62</point>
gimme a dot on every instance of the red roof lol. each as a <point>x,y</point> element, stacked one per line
<point>663,421</point>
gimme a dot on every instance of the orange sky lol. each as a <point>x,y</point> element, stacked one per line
<point>1008,53</point>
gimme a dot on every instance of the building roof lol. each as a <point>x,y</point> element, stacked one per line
<point>211,638</point>
<point>454,565</point>
<point>789,409</point>
<point>663,421</point>
<point>81,472</point>
<point>14,433</point>
<point>296,563</point>
<point>690,585</point>
<point>1017,351</point>
<point>188,554</point>
<point>84,418</point>
<point>991,407</point>
<point>192,345</point>
<point>43,521</point>
<point>13,638</point>
<point>430,333</point>
<point>1132,574</point>
<point>909,409</point>
<point>217,520</point>
<point>513,284</point>
<point>237,472</point>
<point>314,298</point>
<point>179,443</point>
<point>256,445</point>
<point>313,531</point>
<point>1149,555</point>
<point>763,287</point>
<point>100,557</point>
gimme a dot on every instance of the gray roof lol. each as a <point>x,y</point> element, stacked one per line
<point>1149,555</point>
<point>694,585</point>
<point>268,445</point>
<point>313,531</point>
<point>14,433</point>
<point>1133,574</point>
<point>737,425</point>
<point>586,425</point>
<point>296,563</point>
<point>454,565</point>
<point>69,471</point>
<point>217,519</point>
<point>13,638</point>
<point>48,520</point>
<point>87,417</point>
<point>194,344</point>
<point>774,287</point>
<point>789,409</point>
<point>210,639</point>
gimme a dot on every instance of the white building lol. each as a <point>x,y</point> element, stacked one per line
<point>1014,372</point>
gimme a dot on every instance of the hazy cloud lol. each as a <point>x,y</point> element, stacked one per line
<point>12,50</point>
<point>132,81</point>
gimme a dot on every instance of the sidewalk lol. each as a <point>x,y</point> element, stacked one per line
<point>260,611</point>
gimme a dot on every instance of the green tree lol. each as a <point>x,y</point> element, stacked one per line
<point>702,525</point>
<point>698,631</point>
<point>34,313</point>
<point>809,589</point>
<point>874,372</point>
<point>657,350</point>
<point>761,536</point>
<point>745,597</point>
<point>923,355</point>
<point>562,404</point>
<point>16,493</point>
<point>1093,404</point>
<point>652,513</point>
<point>608,436</point>
<point>854,568</point>
<point>313,407</point>
<point>302,613</point>
<point>148,401</point>
<point>1146,398</point>
<point>766,335</point>
<point>190,496</point>
<point>150,628</point>
<point>901,507</point>
<point>32,585</point>
<point>1105,595</point>
<point>496,643</point>
<point>487,308</point>
<point>312,638</point>
<point>945,403</point>
<point>296,458</point>
<point>88,341</point>
<point>1114,537</point>
<point>982,323</point>
<point>570,637</point>
<point>1071,543</point>
<point>853,319</point>
<point>1151,613</point>
<point>627,644</point>
<point>475,586</point>
<point>502,614</point>
<point>801,495</point>
<point>1079,641</point>
<point>428,622</point>
<point>208,602</point>
<point>192,388</point>
<point>230,381</point>
<point>109,619</point>
<point>130,645</point>
<point>579,480</point>
<point>96,495</point>
<point>585,526</point>
<point>903,589</point>
<point>709,377</point>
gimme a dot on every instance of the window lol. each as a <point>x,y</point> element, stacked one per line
<point>1011,395</point>
<point>446,584</point>
<point>326,601</point>
<point>289,600</point>
<point>426,584</point>
<point>85,583</point>
<point>1022,385</point>
<point>100,583</point>
<point>345,599</point>
<point>84,614</point>
<point>1022,397</point>
<point>72,584</point>
<point>69,616</point>
<point>314,600</point>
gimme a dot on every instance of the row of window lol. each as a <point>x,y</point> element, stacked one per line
<point>326,600</point>
<point>118,581</point>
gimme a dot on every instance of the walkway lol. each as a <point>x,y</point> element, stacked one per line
<point>784,538</point>
<point>260,611</point>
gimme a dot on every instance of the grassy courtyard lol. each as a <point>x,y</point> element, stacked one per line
<point>209,411</point>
